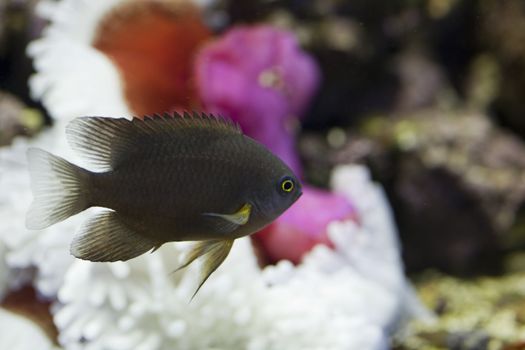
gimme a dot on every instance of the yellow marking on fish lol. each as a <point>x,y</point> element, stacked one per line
<point>240,217</point>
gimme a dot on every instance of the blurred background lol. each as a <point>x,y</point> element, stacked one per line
<point>429,95</point>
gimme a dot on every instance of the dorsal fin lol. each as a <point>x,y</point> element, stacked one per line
<point>167,122</point>
<point>105,141</point>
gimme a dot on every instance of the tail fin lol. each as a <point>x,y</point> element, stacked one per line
<point>59,189</point>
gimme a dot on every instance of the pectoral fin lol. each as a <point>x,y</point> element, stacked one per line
<point>230,222</point>
<point>213,253</point>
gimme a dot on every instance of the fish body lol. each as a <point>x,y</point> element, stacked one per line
<point>165,193</point>
<point>162,179</point>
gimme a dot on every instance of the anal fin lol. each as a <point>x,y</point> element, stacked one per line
<point>105,237</point>
<point>213,252</point>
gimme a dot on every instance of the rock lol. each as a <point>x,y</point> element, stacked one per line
<point>474,340</point>
<point>456,183</point>
<point>19,24</point>
<point>484,313</point>
<point>17,119</point>
<point>503,30</point>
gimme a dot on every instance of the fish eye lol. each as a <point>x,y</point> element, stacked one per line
<point>287,184</point>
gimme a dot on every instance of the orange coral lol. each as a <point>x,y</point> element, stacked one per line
<point>153,44</point>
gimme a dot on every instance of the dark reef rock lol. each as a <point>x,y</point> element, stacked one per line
<point>455,181</point>
<point>504,33</point>
<point>19,24</point>
<point>17,119</point>
<point>479,314</point>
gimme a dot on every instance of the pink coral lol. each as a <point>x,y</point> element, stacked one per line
<point>304,225</point>
<point>259,77</point>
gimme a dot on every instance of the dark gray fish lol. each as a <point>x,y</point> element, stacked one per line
<point>162,179</point>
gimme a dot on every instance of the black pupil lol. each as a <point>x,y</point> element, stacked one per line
<point>287,185</point>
